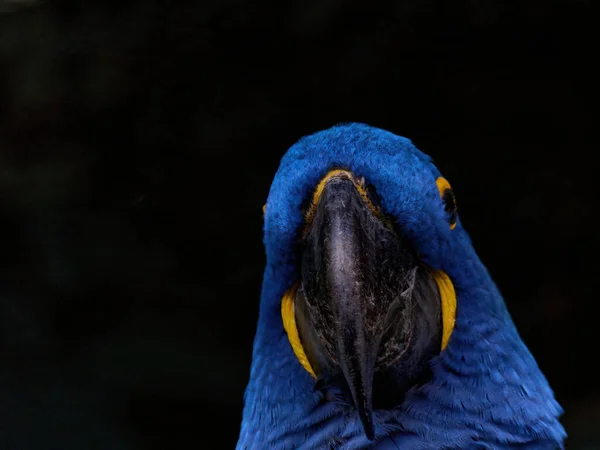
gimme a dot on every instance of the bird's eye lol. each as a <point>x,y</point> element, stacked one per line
<point>448,200</point>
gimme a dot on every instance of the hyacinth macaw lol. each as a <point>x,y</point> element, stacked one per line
<point>379,327</point>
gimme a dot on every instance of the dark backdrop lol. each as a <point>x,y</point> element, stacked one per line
<point>138,140</point>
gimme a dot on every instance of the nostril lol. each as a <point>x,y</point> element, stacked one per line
<point>373,196</point>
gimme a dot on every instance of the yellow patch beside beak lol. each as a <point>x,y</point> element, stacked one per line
<point>288,314</point>
<point>448,299</point>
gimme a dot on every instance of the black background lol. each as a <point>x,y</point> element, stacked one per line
<point>138,140</point>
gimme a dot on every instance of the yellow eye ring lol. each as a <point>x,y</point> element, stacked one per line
<point>448,199</point>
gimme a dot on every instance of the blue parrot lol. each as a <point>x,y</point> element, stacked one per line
<point>379,327</point>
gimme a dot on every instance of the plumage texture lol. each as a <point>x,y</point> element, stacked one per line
<point>486,391</point>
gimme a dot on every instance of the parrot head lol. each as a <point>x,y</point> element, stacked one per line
<point>376,312</point>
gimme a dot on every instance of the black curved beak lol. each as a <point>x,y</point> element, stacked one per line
<point>366,305</point>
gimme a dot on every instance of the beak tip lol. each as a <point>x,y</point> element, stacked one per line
<point>366,417</point>
<point>369,429</point>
